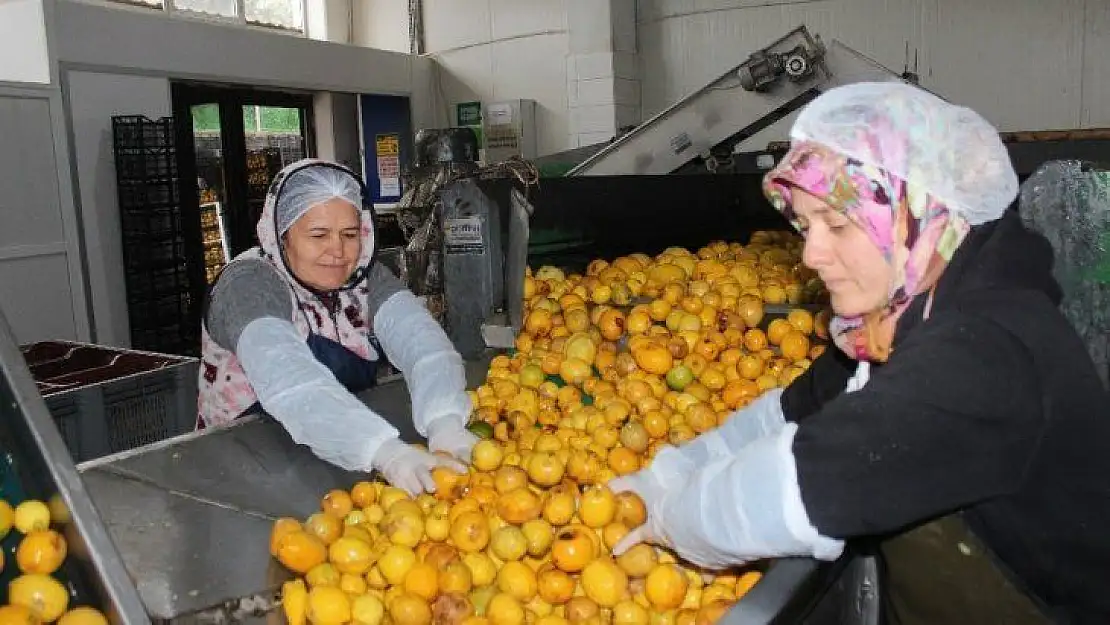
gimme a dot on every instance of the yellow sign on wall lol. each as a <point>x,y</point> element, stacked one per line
<point>387,145</point>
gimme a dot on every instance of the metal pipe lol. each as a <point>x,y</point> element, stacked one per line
<point>416,27</point>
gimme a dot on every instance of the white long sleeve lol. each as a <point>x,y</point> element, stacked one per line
<point>304,396</point>
<point>742,508</point>
<point>760,418</point>
<point>433,369</point>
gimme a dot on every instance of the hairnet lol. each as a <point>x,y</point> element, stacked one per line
<point>310,186</point>
<point>949,151</point>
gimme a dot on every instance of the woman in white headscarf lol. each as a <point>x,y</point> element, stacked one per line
<point>288,325</point>
<point>961,423</point>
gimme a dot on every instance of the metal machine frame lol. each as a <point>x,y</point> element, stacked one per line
<point>737,111</point>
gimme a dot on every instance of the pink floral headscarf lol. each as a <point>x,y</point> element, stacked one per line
<point>913,171</point>
<point>915,231</point>
<point>224,391</point>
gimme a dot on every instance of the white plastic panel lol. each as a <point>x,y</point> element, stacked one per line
<point>41,308</point>
<point>29,203</point>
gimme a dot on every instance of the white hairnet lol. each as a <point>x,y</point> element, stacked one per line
<point>950,151</point>
<point>310,186</point>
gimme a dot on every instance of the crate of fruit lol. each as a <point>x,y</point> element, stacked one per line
<point>106,400</point>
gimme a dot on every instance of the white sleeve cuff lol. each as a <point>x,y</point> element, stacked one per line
<point>745,507</point>
<point>798,524</point>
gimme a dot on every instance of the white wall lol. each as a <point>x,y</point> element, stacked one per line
<point>345,123</point>
<point>337,139</point>
<point>93,99</point>
<point>329,20</point>
<point>23,53</point>
<point>382,24</point>
<point>1024,64</point>
<point>503,50</point>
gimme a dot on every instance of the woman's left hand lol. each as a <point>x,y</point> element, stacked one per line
<point>667,473</point>
<point>731,510</point>
<point>449,434</point>
<point>650,531</point>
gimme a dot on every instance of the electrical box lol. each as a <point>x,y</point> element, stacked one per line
<point>509,129</point>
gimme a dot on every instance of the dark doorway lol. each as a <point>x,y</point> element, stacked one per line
<point>231,141</point>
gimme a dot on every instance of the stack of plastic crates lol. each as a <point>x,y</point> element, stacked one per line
<point>155,258</point>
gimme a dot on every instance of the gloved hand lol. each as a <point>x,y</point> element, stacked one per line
<point>651,531</point>
<point>668,471</point>
<point>410,468</point>
<point>450,435</point>
<point>735,509</point>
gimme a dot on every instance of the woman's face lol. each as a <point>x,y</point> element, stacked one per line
<point>323,246</point>
<point>853,268</point>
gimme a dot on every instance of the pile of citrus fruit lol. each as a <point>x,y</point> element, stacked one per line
<point>610,366</point>
<point>35,595</point>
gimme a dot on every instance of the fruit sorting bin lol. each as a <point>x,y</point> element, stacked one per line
<point>35,464</point>
<point>105,399</point>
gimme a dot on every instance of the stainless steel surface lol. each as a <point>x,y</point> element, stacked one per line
<point>38,448</point>
<point>500,329</point>
<point>185,554</point>
<point>722,109</point>
<point>191,516</point>
<point>516,256</point>
<point>251,466</point>
<point>473,263</point>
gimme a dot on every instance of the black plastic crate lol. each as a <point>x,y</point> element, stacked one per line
<point>146,167</point>
<point>140,195</point>
<point>164,312</point>
<point>141,132</point>
<point>105,400</point>
<point>180,340</point>
<point>156,284</point>
<point>146,254</point>
<point>153,222</point>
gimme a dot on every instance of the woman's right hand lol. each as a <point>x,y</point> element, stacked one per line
<point>410,468</point>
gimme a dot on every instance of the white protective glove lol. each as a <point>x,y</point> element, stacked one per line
<point>410,468</point>
<point>433,370</point>
<point>760,418</point>
<point>668,471</point>
<point>672,466</point>
<point>733,510</point>
<point>450,435</point>
<point>304,396</point>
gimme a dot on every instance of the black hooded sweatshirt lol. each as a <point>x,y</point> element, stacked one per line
<point>992,406</point>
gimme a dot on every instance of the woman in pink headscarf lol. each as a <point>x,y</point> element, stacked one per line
<point>961,422</point>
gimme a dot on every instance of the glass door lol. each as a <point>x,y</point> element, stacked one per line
<point>208,151</point>
<point>236,140</point>
<point>274,136</point>
<point>230,143</point>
